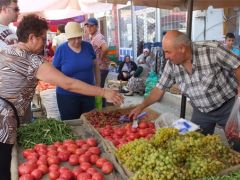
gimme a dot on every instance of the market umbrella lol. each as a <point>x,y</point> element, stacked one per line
<point>188,5</point>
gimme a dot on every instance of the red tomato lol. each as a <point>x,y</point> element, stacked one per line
<point>100,161</point>
<point>61,148</point>
<point>68,141</point>
<point>66,175</point>
<point>43,168</point>
<point>80,142</point>
<point>91,170</point>
<point>80,151</point>
<point>26,177</point>
<point>84,176</point>
<point>40,146</point>
<point>107,167</point>
<point>51,147</point>
<point>57,143</point>
<point>84,158</point>
<point>97,176</point>
<point>54,167</point>
<point>52,153</point>
<point>33,155</point>
<point>27,152</point>
<point>53,175</point>
<point>63,156</point>
<point>73,160</point>
<point>91,142</point>
<point>25,168</point>
<point>85,146</point>
<point>143,125</point>
<point>72,148</point>
<point>151,125</point>
<point>42,161</point>
<point>77,171</point>
<point>53,160</point>
<point>37,174</point>
<point>95,150</point>
<point>94,158</point>
<point>63,169</point>
<point>85,166</point>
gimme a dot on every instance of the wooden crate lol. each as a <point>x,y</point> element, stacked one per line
<point>82,130</point>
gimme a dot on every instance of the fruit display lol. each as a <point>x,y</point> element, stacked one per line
<point>101,119</point>
<point>123,134</point>
<point>71,159</point>
<point>170,155</point>
<point>113,117</point>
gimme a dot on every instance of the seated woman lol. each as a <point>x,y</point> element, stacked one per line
<point>126,69</point>
<point>136,83</point>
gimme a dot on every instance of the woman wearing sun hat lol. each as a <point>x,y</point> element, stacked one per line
<point>77,59</point>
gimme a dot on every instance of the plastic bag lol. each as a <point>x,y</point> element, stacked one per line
<point>165,120</point>
<point>232,128</point>
<point>98,102</point>
<point>151,82</point>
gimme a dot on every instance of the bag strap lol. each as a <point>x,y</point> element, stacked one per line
<point>14,110</point>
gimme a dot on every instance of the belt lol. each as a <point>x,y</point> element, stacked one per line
<point>14,110</point>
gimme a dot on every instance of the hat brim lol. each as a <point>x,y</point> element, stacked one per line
<point>87,23</point>
<point>74,35</point>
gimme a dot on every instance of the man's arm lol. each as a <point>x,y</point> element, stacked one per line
<point>153,97</point>
<point>104,48</point>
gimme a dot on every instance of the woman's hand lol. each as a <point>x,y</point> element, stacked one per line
<point>113,96</point>
<point>135,112</point>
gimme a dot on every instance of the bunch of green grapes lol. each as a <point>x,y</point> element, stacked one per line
<point>198,167</point>
<point>135,154</point>
<point>160,165</point>
<point>163,135</point>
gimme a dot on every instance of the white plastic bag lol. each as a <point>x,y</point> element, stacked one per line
<point>165,120</point>
<point>49,101</point>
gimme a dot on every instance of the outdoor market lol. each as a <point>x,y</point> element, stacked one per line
<point>120,89</point>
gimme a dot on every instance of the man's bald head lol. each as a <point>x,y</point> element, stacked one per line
<point>176,46</point>
<point>176,38</point>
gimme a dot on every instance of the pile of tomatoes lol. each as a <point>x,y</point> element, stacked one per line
<point>124,134</point>
<point>85,155</point>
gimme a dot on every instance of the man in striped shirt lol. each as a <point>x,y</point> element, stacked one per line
<point>9,12</point>
<point>207,73</point>
<point>100,47</point>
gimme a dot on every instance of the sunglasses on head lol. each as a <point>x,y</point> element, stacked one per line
<point>16,9</point>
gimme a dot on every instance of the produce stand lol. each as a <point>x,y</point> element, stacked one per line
<point>82,130</point>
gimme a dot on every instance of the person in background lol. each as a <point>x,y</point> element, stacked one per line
<point>207,73</point>
<point>9,12</point>
<point>76,58</point>
<point>60,38</point>
<point>20,69</point>
<point>136,83</point>
<point>126,69</point>
<point>100,47</point>
<point>229,42</point>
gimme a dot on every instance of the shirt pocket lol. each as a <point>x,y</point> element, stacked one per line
<point>208,82</point>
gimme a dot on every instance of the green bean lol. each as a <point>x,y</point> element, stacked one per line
<point>43,130</point>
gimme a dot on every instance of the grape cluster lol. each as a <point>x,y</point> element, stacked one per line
<point>169,155</point>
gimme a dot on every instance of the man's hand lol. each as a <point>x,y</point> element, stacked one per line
<point>135,112</point>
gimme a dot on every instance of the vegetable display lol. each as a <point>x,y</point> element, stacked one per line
<point>69,160</point>
<point>45,131</point>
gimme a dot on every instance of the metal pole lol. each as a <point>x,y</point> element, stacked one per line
<point>189,34</point>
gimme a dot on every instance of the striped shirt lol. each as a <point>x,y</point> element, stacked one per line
<point>17,84</point>
<point>97,40</point>
<point>212,81</point>
<point>7,36</point>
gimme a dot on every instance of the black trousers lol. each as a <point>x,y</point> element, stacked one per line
<point>5,160</point>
